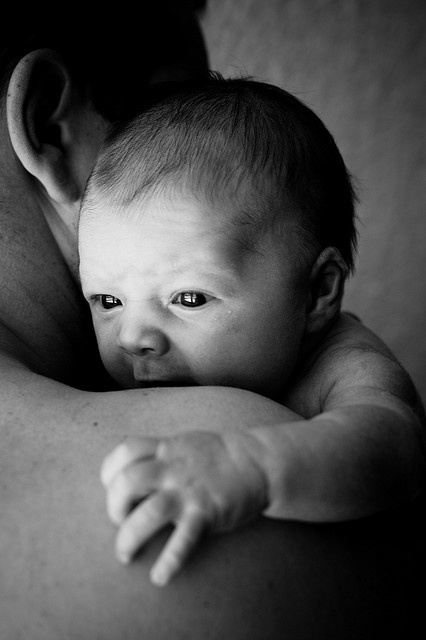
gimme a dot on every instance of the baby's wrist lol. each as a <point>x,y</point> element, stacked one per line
<point>248,454</point>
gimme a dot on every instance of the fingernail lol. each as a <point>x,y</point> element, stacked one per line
<point>158,578</point>
<point>123,557</point>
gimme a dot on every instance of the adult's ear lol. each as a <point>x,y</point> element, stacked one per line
<point>49,128</point>
<point>327,281</point>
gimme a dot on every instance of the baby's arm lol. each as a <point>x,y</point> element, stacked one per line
<point>362,452</point>
<point>362,449</point>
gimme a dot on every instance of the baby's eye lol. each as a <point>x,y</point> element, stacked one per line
<point>191,299</point>
<point>108,301</point>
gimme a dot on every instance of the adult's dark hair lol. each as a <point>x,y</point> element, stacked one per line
<point>112,51</point>
<point>215,137</point>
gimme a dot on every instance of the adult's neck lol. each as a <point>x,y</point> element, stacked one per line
<point>43,318</point>
<point>63,224</point>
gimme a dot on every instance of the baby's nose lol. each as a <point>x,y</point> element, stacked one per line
<point>139,339</point>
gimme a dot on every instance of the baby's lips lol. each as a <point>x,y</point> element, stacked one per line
<point>146,384</point>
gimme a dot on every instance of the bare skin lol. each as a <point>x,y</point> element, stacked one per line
<point>56,542</point>
<point>260,322</point>
<point>315,470</point>
<point>58,576</point>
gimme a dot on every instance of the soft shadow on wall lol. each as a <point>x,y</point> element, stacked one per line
<point>361,66</point>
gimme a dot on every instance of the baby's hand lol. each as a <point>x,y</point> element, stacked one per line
<point>201,481</point>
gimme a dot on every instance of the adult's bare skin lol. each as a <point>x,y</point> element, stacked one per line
<point>59,577</point>
<point>58,573</point>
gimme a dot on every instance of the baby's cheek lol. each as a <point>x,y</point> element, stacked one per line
<point>112,357</point>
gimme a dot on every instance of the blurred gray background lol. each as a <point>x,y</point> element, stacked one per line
<point>361,66</point>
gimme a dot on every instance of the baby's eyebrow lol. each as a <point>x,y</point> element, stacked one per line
<point>204,269</point>
<point>201,269</point>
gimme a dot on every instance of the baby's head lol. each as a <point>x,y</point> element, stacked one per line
<point>246,146</point>
<point>228,205</point>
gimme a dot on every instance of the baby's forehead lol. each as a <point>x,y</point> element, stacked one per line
<point>246,218</point>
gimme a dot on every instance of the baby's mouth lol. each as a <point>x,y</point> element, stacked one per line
<point>147,384</point>
<point>148,374</point>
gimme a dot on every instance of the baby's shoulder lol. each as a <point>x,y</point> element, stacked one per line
<point>348,341</point>
<point>349,361</point>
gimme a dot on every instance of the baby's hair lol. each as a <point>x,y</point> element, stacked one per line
<point>212,138</point>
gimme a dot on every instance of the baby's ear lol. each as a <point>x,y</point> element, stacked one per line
<point>46,115</point>
<point>327,282</point>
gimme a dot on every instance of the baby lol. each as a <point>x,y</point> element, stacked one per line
<point>216,234</point>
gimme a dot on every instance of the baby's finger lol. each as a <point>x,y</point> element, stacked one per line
<point>180,544</point>
<point>130,486</point>
<point>126,453</point>
<point>145,521</point>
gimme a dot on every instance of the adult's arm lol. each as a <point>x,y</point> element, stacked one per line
<point>59,576</point>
